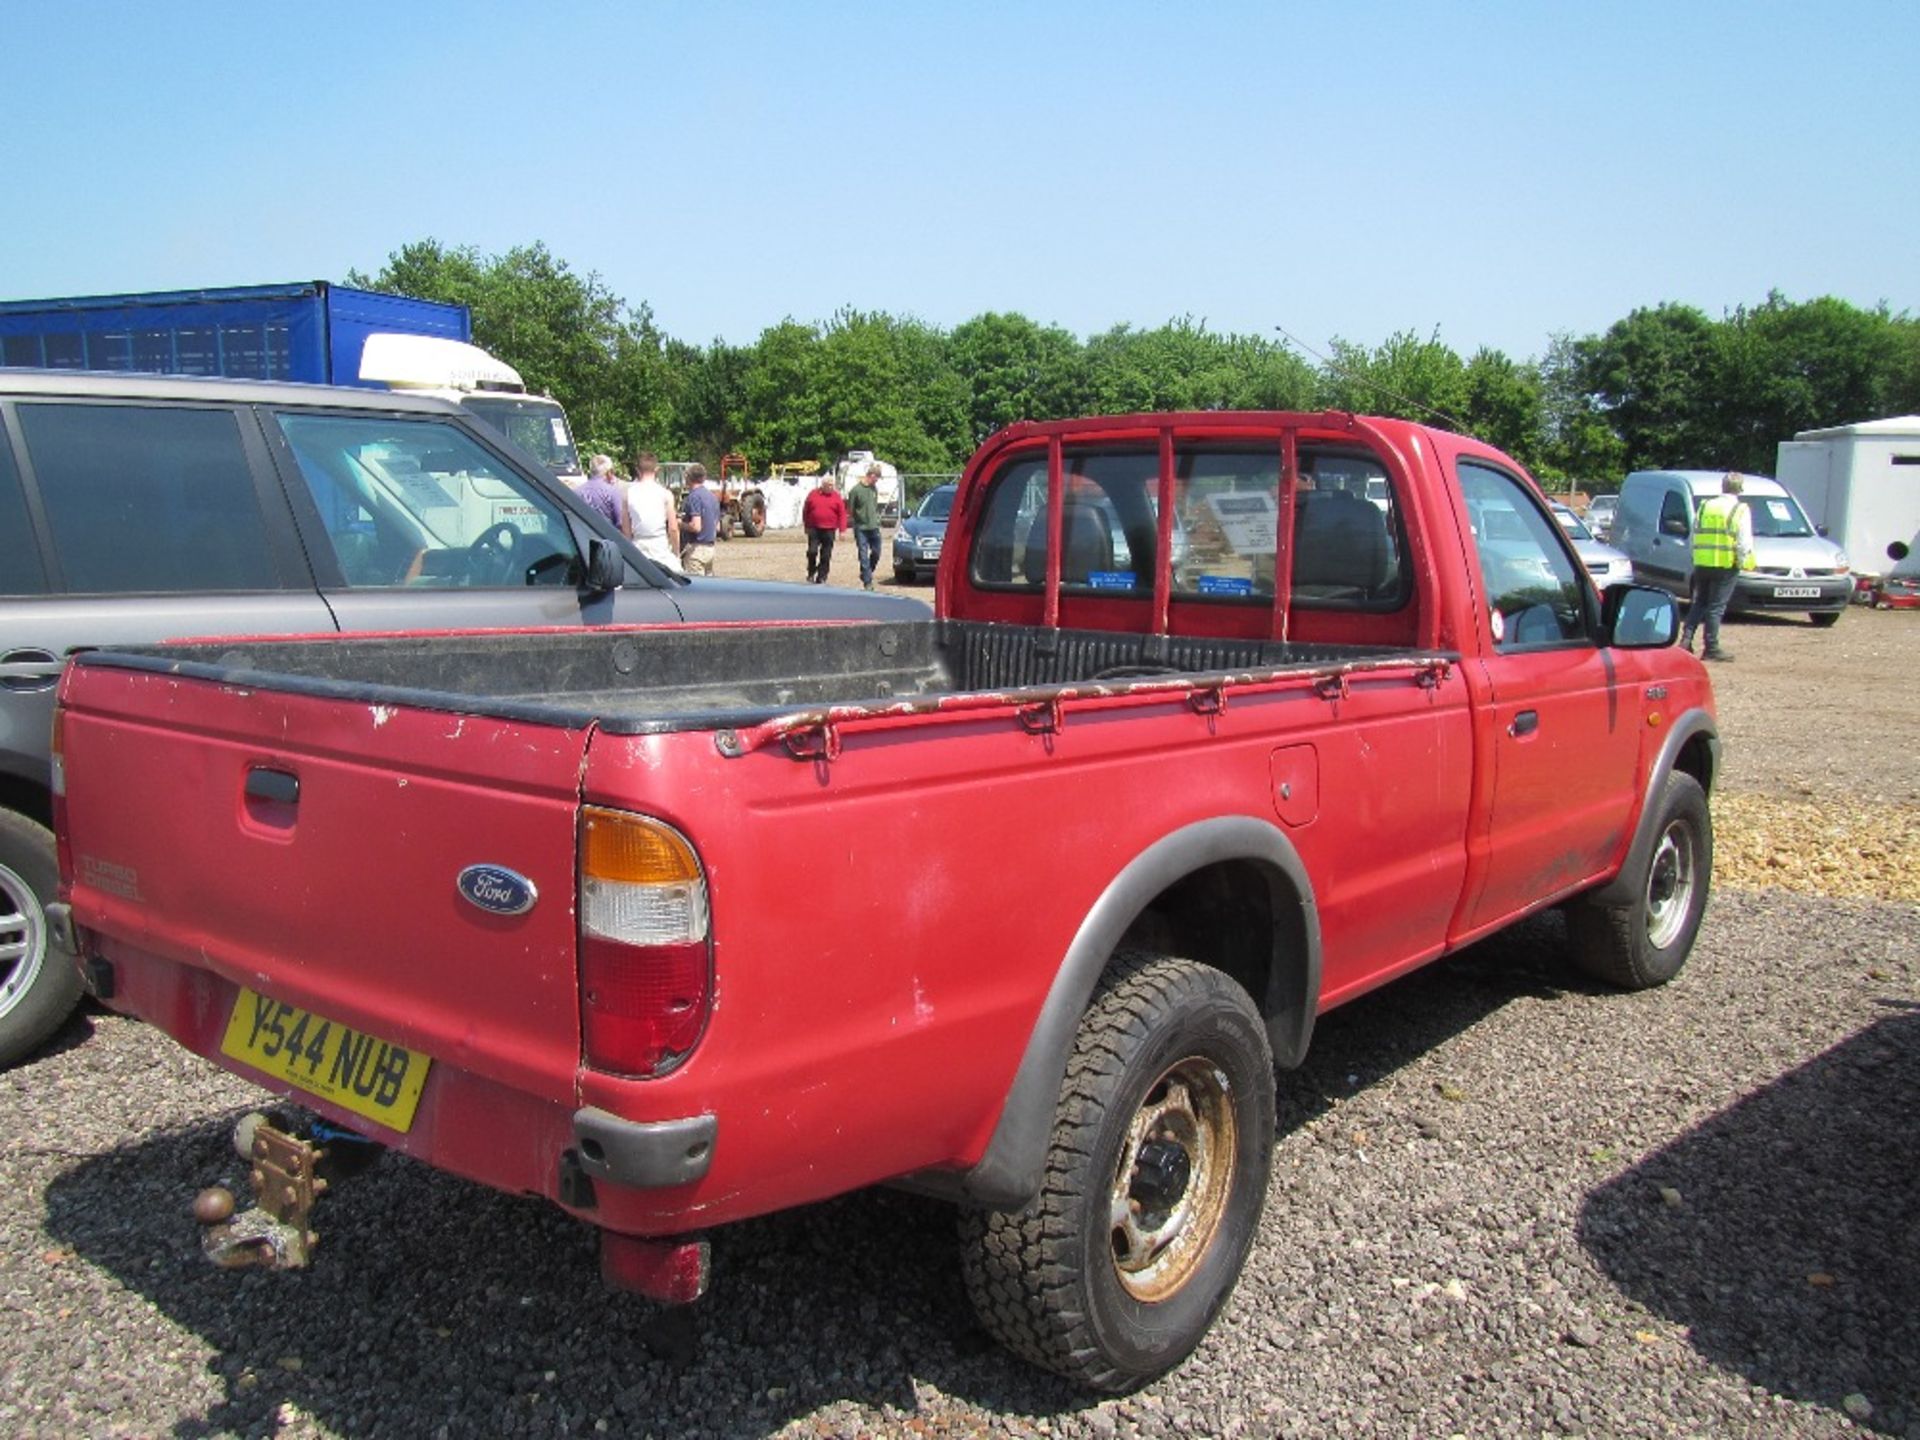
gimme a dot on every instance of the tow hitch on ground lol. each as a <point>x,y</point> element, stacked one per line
<point>289,1173</point>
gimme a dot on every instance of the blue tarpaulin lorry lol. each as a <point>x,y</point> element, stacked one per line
<point>309,330</point>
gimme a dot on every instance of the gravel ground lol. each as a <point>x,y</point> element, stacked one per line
<point>1506,1202</point>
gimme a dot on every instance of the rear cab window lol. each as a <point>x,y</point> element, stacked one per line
<point>1222,546</point>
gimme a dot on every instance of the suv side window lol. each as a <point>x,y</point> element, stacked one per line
<point>144,500</point>
<point>409,501</point>
<point>21,570</point>
<point>1533,590</point>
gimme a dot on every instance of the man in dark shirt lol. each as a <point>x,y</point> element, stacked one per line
<point>863,510</point>
<point>699,524</point>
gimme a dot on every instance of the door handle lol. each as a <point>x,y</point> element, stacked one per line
<point>26,670</point>
<point>275,786</point>
<point>1525,723</point>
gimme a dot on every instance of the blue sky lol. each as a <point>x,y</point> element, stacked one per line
<point>1500,171</point>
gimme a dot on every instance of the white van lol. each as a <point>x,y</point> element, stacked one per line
<point>1796,567</point>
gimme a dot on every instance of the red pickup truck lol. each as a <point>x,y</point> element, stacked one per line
<point>1222,720</point>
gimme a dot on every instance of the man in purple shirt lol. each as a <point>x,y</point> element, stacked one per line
<point>603,492</point>
<point>699,523</point>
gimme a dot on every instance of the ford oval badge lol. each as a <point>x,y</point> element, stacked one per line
<point>497,889</point>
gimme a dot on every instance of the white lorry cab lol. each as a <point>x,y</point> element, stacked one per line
<point>485,386</point>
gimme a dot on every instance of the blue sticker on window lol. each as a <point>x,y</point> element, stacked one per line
<point>1225,585</point>
<point>1111,580</point>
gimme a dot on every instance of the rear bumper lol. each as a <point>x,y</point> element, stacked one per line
<point>646,1155</point>
<point>648,1175</point>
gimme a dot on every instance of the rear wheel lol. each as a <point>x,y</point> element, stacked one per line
<point>1155,1178</point>
<point>1825,618</point>
<point>39,986</point>
<point>753,516</point>
<point>1644,943</point>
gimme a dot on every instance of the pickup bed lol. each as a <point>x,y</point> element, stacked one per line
<point>1222,720</point>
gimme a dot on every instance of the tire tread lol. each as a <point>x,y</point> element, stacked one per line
<point>1021,1270</point>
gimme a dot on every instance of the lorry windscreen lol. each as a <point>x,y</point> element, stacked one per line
<point>537,426</point>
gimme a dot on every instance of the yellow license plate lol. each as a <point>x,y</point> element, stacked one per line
<point>367,1075</point>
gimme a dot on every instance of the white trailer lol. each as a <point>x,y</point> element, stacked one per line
<point>1862,484</point>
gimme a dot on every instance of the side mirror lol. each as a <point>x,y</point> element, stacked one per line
<point>1639,617</point>
<point>1897,551</point>
<point>606,567</point>
<point>1674,527</point>
<point>1821,531</point>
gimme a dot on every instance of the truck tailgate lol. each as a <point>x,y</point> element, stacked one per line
<point>309,850</point>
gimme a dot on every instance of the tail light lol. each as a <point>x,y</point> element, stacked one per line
<point>646,970</point>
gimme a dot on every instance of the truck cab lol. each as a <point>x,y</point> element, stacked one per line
<point>486,387</point>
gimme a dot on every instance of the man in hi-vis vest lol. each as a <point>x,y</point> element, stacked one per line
<point>1722,547</point>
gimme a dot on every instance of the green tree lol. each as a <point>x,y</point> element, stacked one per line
<point>1579,445</point>
<point>1405,376</point>
<point>1183,365</point>
<point>709,389</point>
<point>1648,375</point>
<point>779,412</point>
<point>1269,376</point>
<point>1780,368</point>
<point>1013,369</point>
<point>1903,375</point>
<point>1504,407</point>
<point>938,394</point>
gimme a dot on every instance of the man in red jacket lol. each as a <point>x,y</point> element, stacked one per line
<point>824,514</point>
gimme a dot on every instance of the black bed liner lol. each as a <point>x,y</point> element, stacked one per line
<point>647,680</point>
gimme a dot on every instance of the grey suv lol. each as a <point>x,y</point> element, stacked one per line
<point>136,509</point>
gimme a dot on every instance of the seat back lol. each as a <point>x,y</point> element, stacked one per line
<point>1086,545</point>
<point>1340,545</point>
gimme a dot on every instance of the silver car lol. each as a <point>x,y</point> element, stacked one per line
<point>1608,566</point>
<point>1599,516</point>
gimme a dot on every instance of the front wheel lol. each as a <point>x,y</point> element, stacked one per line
<point>39,986</point>
<point>1155,1177</point>
<point>1645,942</point>
<point>1825,619</point>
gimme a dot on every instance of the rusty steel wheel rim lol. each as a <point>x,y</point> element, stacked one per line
<point>1173,1179</point>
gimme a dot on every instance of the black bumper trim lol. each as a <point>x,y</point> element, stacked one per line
<point>651,1155</point>
<point>60,928</point>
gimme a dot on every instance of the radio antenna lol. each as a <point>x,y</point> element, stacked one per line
<point>1452,422</point>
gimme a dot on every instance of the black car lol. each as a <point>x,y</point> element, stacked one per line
<point>916,544</point>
